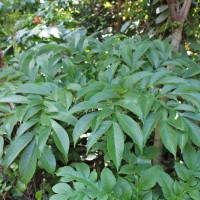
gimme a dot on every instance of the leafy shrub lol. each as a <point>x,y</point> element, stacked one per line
<point>105,99</point>
<point>137,184</point>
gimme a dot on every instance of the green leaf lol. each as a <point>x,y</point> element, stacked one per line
<point>127,169</point>
<point>177,187</point>
<point>42,137</point>
<point>177,123</point>
<point>125,187</point>
<point>21,111</point>
<point>166,183</point>
<point>25,126</point>
<point>32,111</point>
<point>125,26</point>
<point>167,88</point>
<point>160,45</point>
<point>162,16</point>
<point>14,99</point>
<point>170,80</point>
<point>115,144</point>
<point>193,98</point>
<point>185,107</point>
<point>62,188</point>
<point>158,75</point>
<point>153,57</point>
<point>131,105</point>
<point>187,88</point>
<point>69,174</point>
<point>108,180</point>
<point>86,105</point>
<point>65,117</point>
<point>150,124</point>
<point>6,72</point>
<point>149,195</point>
<point>94,136</point>
<point>169,138</point>
<point>96,86</point>
<point>135,78</point>
<point>73,86</point>
<point>193,116</point>
<point>182,139</point>
<point>132,128</point>
<point>145,102</point>
<point>20,186</point>
<point>193,70</point>
<point>161,8</point>
<point>38,195</point>
<point>10,124</point>
<point>33,88</point>
<point>48,160</point>
<point>82,125</point>
<point>60,138</point>
<point>149,178</point>
<point>103,95</point>
<point>60,197</point>
<point>16,147</point>
<point>102,196</point>
<point>82,168</point>
<point>66,99</point>
<point>194,193</point>
<point>190,156</point>
<point>194,132</point>
<point>45,120</point>
<point>105,113</point>
<point>182,171</point>
<point>172,63</point>
<point>154,2</point>
<point>140,51</point>
<point>27,163</point>
<point>127,55</point>
<point>4,107</point>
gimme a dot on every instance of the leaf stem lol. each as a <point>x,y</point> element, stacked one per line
<point>158,144</point>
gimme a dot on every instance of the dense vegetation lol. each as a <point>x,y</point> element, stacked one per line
<point>98,105</point>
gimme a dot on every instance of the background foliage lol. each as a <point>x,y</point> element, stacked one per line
<point>80,102</point>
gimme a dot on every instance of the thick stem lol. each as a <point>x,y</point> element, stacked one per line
<point>185,9</point>
<point>1,59</point>
<point>172,10</point>
<point>158,144</point>
<point>176,38</point>
<point>180,17</point>
<point>119,19</point>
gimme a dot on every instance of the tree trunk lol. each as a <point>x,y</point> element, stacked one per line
<point>178,16</point>
<point>176,38</point>
<point>119,19</point>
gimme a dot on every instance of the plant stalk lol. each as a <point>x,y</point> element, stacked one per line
<point>119,19</point>
<point>158,144</point>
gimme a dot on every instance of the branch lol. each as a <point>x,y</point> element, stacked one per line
<point>185,9</point>
<point>172,9</point>
<point>177,6</point>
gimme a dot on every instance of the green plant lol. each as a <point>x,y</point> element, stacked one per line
<point>139,182</point>
<point>10,182</point>
<point>103,98</point>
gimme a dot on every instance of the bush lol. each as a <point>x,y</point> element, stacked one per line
<point>92,107</point>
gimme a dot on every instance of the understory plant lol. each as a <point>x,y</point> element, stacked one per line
<point>87,110</point>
